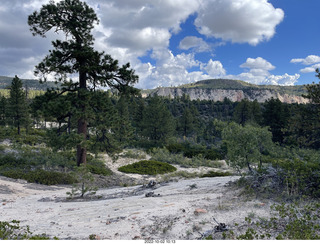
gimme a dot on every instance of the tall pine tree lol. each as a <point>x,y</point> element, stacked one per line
<point>17,109</point>
<point>75,19</point>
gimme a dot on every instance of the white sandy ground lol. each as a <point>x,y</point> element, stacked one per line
<point>125,213</point>
<point>127,217</point>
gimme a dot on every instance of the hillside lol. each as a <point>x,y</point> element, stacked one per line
<point>235,90</point>
<point>5,82</point>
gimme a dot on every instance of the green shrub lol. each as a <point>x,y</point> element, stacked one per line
<point>148,167</point>
<point>13,231</point>
<point>85,185</point>
<point>287,222</point>
<point>299,177</point>
<point>163,155</point>
<point>40,176</point>
<point>190,151</point>
<point>216,174</point>
<point>99,168</point>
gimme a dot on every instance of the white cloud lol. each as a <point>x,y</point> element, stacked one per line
<point>282,80</point>
<point>170,70</point>
<point>311,59</point>
<point>143,24</point>
<point>259,74</point>
<point>257,63</point>
<point>196,43</point>
<point>131,29</point>
<point>308,70</point>
<point>215,69</point>
<point>240,21</point>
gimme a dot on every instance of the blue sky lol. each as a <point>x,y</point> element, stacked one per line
<point>170,43</point>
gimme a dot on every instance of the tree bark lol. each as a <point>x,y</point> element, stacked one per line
<point>82,121</point>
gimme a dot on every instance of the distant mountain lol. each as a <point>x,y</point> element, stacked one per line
<point>5,82</point>
<point>235,90</point>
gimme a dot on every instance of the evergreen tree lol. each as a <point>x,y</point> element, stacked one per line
<point>314,91</point>
<point>17,109</point>
<point>104,124</point>
<point>186,122</point>
<point>136,108</point>
<point>125,130</point>
<point>158,123</point>
<point>275,115</point>
<point>3,110</point>
<point>303,129</point>
<point>243,112</point>
<point>75,19</point>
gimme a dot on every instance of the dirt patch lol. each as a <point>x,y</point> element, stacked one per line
<point>126,213</point>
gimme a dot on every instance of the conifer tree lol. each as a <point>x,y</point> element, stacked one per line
<point>17,105</point>
<point>3,110</point>
<point>124,128</point>
<point>158,123</point>
<point>75,19</point>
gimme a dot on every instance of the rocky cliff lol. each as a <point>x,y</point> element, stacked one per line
<point>233,95</point>
<point>235,91</point>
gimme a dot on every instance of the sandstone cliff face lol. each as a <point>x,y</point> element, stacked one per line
<point>261,95</point>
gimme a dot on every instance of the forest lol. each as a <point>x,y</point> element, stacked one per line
<point>249,135</point>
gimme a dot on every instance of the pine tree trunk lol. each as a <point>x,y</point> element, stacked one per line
<point>82,122</point>
<point>82,150</point>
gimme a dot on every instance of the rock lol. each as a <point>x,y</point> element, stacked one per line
<point>200,211</point>
<point>151,184</point>
<point>151,194</point>
<point>235,95</point>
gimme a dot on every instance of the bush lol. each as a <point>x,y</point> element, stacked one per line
<point>299,177</point>
<point>98,168</point>
<point>163,155</point>
<point>287,222</point>
<point>288,178</point>
<point>216,174</point>
<point>192,151</point>
<point>85,183</point>
<point>148,167</point>
<point>40,176</point>
<point>13,231</point>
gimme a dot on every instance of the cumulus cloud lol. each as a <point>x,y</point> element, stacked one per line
<point>257,64</point>
<point>240,21</point>
<point>311,59</point>
<point>143,24</point>
<point>259,74</point>
<point>170,69</point>
<point>282,80</point>
<point>132,29</point>
<point>193,42</point>
<point>215,69</point>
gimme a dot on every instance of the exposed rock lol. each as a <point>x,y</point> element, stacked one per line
<point>236,95</point>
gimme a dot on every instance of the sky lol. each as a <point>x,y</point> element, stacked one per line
<point>174,42</point>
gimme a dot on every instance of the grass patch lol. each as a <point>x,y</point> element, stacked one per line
<point>148,167</point>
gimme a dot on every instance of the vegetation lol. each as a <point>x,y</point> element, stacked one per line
<point>13,231</point>
<point>77,55</point>
<point>148,167</point>
<point>295,221</point>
